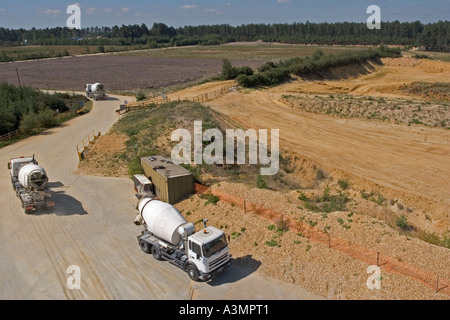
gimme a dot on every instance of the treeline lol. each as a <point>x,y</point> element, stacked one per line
<point>433,36</point>
<point>271,73</point>
<point>30,109</point>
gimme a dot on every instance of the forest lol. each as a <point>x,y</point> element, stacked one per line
<point>432,36</point>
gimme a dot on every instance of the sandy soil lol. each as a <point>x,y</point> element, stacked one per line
<point>401,162</point>
<point>384,81</point>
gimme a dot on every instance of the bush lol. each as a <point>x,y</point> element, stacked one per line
<point>35,122</point>
<point>402,222</point>
<point>261,182</point>
<point>344,184</point>
<point>229,72</point>
<point>140,96</point>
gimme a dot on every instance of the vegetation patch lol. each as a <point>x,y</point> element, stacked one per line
<point>33,111</point>
<point>271,74</point>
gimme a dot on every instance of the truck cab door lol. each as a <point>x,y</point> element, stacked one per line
<point>195,252</point>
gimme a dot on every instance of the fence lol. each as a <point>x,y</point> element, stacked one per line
<point>199,98</point>
<point>366,255</point>
<point>146,103</point>
<point>83,145</point>
<point>209,95</point>
<point>62,117</point>
<point>10,135</point>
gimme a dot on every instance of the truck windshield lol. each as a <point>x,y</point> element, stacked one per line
<point>214,246</point>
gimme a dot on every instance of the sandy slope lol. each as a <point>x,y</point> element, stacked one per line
<point>408,163</point>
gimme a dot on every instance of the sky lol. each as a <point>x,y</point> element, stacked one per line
<point>52,13</point>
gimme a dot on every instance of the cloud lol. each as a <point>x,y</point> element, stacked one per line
<point>125,9</point>
<point>284,1</point>
<point>189,7</point>
<point>212,11</point>
<point>50,12</point>
<point>90,11</point>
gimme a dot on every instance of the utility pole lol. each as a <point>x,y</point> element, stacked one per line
<point>18,77</point>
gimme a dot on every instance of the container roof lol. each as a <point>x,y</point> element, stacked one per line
<point>166,167</point>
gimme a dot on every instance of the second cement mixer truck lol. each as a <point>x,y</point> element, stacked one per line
<point>168,236</point>
<point>96,91</point>
<point>30,181</point>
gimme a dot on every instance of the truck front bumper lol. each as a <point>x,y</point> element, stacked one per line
<point>215,272</point>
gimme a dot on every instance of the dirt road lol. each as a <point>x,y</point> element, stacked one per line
<point>91,227</point>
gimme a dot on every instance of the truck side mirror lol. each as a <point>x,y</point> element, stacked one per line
<point>9,165</point>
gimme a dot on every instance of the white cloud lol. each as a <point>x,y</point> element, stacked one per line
<point>90,11</point>
<point>212,11</point>
<point>189,7</point>
<point>50,12</point>
<point>125,9</point>
<point>284,1</point>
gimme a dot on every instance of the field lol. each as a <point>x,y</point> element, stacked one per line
<point>364,163</point>
<point>139,69</point>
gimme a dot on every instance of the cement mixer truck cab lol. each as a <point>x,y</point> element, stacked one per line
<point>168,236</point>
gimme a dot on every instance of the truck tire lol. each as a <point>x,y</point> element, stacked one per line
<point>155,252</point>
<point>145,246</point>
<point>192,272</point>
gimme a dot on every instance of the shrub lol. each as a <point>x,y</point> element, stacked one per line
<point>140,96</point>
<point>272,243</point>
<point>261,182</point>
<point>229,72</point>
<point>343,184</point>
<point>402,222</point>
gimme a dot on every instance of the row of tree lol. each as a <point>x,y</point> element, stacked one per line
<point>432,36</point>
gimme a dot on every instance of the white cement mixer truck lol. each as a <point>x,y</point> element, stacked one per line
<point>30,181</point>
<point>96,91</point>
<point>168,236</point>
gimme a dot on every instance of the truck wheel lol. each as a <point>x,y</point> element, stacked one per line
<point>145,246</point>
<point>155,252</point>
<point>192,272</point>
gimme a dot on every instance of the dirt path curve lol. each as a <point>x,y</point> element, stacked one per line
<point>91,227</point>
